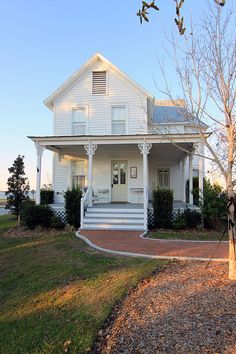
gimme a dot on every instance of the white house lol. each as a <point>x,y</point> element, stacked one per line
<point>112,136</point>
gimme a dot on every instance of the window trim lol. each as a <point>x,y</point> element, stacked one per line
<point>72,175</point>
<point>126,116</point>
<point>76,107</point>
<point>91,83</point>
<point>160,169</point>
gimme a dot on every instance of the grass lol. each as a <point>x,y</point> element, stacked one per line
<point>7,221</point>
<point>186,235</point>
<point>54,289</point>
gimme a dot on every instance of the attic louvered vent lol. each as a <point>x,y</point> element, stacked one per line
<point>99,85</point>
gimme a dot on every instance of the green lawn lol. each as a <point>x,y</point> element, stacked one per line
<point>55,289</point>
<point>6,222</point>
<point>187,235</point>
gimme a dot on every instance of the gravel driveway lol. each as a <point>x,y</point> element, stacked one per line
<point>184,308</point>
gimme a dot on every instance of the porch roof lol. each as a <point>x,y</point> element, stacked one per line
<point>53,142</point>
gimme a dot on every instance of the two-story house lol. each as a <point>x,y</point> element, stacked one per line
<point>112,137</point>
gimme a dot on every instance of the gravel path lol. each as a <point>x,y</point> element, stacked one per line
<point>183,309</point>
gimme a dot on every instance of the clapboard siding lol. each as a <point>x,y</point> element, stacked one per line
<point>61,177</point>
<point>99,106</point>
<point>102,174</point>
<point>175,176</point>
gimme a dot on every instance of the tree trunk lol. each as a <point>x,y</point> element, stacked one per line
<point>231,232</point>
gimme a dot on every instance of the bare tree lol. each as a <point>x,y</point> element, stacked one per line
<point>205,64</point>
<point>143,12</point>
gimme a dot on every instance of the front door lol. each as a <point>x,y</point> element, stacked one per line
<point>119,181</point>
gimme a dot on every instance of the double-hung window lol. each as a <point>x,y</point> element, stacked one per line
<point>118,119</point>
<point>78,173</point>
<point>79,121</point>
<point>163,178</point>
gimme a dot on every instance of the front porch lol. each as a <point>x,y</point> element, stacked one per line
<point>119,172</point>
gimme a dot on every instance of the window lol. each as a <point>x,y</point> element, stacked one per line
<point>195,173</point>
<point>118,116</point>
<point>78,173</point>
<point>163,178</point>
<point>79,121</point>
<point>99,82</point>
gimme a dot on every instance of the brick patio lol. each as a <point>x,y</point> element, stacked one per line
<point>130,241</point>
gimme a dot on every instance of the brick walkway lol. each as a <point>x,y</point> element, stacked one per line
<point>131,242</point>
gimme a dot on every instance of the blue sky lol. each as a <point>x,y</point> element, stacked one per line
<point>44,42</point>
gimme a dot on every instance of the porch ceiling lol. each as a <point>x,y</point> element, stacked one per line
<point>159,151</point>
<point>51,142</point>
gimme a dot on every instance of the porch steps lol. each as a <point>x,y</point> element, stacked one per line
<point>113,219</point>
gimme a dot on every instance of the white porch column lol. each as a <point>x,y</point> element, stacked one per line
<point>39,152</point>
<point>201,166</point>
<point>183,180</point>
<point>190,178</point>
<point>90,151</point>
<point>145,149</point>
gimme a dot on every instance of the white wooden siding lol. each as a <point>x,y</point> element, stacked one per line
<point>175,176</point>
<point>99,112</point>
<point>61,178</point>
<point>102,175</point>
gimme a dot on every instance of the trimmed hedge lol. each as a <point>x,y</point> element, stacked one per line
<point>162,200</point>
<point>46,196</point>
<point>72,206</point>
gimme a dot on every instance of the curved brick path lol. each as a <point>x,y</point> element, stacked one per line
<point>131,242</point>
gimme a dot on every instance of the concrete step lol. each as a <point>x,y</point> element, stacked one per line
<point>112,215</point>
<point>114,210</point>
<point>112,227</point>
<point>113,221</point>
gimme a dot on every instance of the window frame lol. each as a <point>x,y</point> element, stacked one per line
<point>77,175</point>
<point>162,169</point>
<point>77,107</point>
<point>114,105</point>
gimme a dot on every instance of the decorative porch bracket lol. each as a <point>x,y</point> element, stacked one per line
<point>90,151</point>
<point>39,152</point>
<point>145,150</point>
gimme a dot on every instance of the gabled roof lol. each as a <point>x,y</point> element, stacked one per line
<point>73,78</point>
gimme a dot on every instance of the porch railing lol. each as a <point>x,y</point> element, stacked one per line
<point>84,202</point>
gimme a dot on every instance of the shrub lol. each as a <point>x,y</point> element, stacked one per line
<point>214,207</point>
<point>179,221</point>
<point>72,206</point>
<point>33,215</point>
<point>192,218</point>
<point>162,201</point>
<point>46,195</point>
<point>187,219</point>
<point>56,222</point>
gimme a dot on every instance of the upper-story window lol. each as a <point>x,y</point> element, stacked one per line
<point>118,119</point>
<point>99,82</point>
<point>79,121</point>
